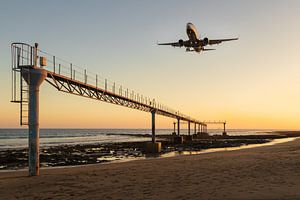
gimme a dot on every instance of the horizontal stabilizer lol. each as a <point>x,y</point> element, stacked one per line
<point>208,49</point>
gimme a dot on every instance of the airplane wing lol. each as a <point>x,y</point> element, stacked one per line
<point>218,41</point>
<point>180,43</point>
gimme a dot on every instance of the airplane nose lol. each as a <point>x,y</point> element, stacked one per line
<point>189,25</point>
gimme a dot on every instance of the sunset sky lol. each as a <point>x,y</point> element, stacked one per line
<point>252,83</point>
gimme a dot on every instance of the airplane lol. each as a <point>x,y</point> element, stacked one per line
<point>194,43</point>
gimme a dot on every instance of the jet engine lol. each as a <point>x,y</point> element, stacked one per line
<point>180,42</point>
<point>205,41</point>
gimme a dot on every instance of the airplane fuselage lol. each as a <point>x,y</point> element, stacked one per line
<point>193,36</point>
<point>192,32</point>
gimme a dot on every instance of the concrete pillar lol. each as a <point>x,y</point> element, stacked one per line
<point>153,126</point>
<point>201,128</point>
<point>224,129</point>
<point>189,138</point>
<point>34,78</point>
<point>153,147</point>
<point>198,128</point>
<point>174,131</point>
<point>195,132</point>
<point>178,126</point>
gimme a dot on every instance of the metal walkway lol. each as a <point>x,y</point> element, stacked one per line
<point>70,78</point>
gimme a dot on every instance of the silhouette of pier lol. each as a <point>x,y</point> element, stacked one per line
<point>31,66</point>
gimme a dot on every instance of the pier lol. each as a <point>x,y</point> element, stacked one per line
<point>32,66</point>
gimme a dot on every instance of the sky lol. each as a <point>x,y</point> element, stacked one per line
<point>252,83</point>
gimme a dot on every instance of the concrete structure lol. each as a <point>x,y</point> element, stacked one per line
<point>34,77</point>
<point>189,138</point>
<point>178,139</point>
<point>153,147</point>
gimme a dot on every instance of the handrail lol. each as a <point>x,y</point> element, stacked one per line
<point>65,68</point>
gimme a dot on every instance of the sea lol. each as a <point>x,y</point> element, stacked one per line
<point>18,138</point>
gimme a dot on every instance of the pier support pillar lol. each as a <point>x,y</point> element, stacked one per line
<point>224,129</point>
<point>153,125</point>
<point>178,126</point>
<point>195,127</point>
<point>178,139</point>
<point>34,78</point>
<point>153,146</point>
<point>189,138</point>
<point>174,131</point>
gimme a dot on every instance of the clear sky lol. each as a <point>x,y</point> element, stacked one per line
<point>252,83</point>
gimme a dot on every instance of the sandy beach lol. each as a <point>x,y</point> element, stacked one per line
<point>269,172</point>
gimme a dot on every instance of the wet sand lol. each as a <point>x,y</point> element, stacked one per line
<point>82,154</point>
<point>269,172</point>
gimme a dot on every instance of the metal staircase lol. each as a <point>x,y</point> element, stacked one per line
<point>22,60</point>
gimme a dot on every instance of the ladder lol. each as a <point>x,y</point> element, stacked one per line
<point>24,98</point>
<point>22,55</point>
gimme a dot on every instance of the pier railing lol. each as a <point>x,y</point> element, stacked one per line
<point>27,55</point>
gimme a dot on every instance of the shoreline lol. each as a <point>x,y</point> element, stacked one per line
<point>82,154</point>
<point>130,151</point>
<point>249,146</point>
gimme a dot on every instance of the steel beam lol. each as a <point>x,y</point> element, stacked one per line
<point>65,84</point>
